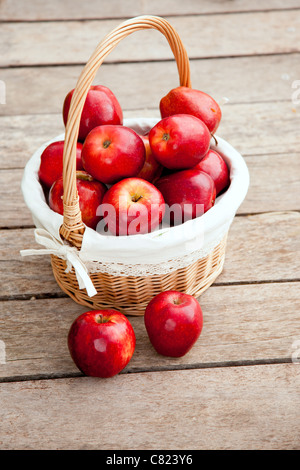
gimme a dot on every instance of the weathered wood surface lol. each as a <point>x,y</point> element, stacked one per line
<point>38,10</point>
<point>235,331</point>
<point>273,32</point>
<point>238,387</point>
<point>255,407</point>
<point>265,79</point>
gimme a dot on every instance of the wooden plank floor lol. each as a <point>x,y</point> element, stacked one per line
<point>238,388</point>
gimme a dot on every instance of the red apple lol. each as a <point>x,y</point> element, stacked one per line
<point>51,166</point>
<point>132,206</point>
<point>151,170</point>
<point>101,107</point>
<point>215,166</point>
<point>101,342</point>
<point>174,322</point>
<point>90,194</point>
<point>179,142</point>
<point>187,194</point>
<point>111,153</point>
<point>190,101</point>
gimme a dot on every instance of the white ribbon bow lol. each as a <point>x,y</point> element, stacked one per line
<point>69,253</point>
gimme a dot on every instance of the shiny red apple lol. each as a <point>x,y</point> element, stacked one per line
<point>90,194</point>
<point>179,142</point>
<point>111,153</point>
<point>101,342</point>
<point>190,101</point>
<point>151,170</point>
<point>215,166</point>
<point>174,322</point>
<point>101,107</point>
<point>187,194</point>
<point>51,165</point>
<point>132,206</point>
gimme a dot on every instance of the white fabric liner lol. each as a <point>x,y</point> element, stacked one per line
<point>163,250</point>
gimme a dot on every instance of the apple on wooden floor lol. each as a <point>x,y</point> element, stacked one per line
<point>101,342</point>
<point>101,107</point>
<point>174,322</point>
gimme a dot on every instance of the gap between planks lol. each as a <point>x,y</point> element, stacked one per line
<point>137,94</point>
<point>273,32</point>
<point>140,370</point>
<point>89,10</point>
<point>242,325</point>
<point>62,295</point>
<point>166,14</point>
<point>150,61</point>
<point>249,258</point>
<point>225,408</point>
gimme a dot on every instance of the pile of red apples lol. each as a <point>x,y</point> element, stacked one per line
<point>129,183</point>
<point>126,182</point>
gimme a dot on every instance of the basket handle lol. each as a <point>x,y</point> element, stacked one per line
<point>73,228</point>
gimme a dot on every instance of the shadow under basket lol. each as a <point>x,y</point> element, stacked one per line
<point>131,294</point>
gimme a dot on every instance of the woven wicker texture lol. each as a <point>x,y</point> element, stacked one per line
<point>129,294</point>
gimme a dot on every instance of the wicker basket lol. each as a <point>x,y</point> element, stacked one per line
<point>128,294</point>
<point>131,294</point>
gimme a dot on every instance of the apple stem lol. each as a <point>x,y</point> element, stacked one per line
<point>136,198</point>
<point>216,142</point>
<point>106,143</point>
<point>84,176</point>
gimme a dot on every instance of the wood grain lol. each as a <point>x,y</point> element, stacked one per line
<point>38,10</point>
<point>267,247</point>
<point>227,408</point>
<point>264,78</point>
<point>21,136</point>
<point>273,32</point>
<point>13,212</point>
<point>242,324</point>
<point>274,183</point>
<point>238,386</point>
<point>261,248</point>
